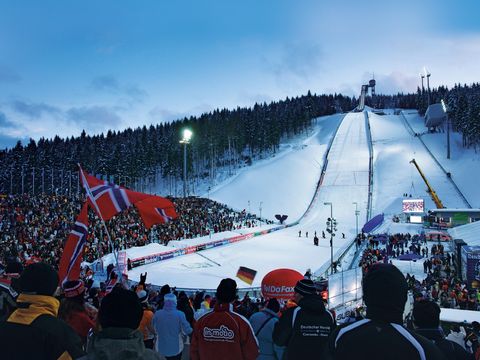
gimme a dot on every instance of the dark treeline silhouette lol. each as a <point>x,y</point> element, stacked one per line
<point>222,139</point>
<point>463,106</point>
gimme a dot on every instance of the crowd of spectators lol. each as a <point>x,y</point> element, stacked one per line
<point>34,228</point>
<point>82,320</point>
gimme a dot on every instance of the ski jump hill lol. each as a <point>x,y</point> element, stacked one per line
<point>360,157</point>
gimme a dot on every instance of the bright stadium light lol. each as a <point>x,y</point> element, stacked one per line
<point>187,135</point>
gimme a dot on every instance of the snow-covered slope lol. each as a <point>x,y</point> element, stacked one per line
<point>286,184</point>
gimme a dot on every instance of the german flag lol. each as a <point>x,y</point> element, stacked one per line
<point>246,274</point>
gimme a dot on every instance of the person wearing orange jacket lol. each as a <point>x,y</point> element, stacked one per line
<point>222,334</point>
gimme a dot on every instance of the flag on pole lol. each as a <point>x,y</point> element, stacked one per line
<point>156,210</point>
<point>69,268</point>
<point>107,198</point>
<point>246,274</point>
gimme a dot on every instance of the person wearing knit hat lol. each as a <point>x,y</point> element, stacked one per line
<point>381,335</point>
<point>119,316</point>
<point>263,323</point>
<point>73,311</point>
<point>426,318</point>
<point>33,330</point>
<point>223,333</point>
<point>146,326</point>
<point>304,329</point>
<point>170,324</point>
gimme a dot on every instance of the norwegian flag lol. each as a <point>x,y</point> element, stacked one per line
<point>156,210</point>
<point>73,250</point>
<point>108,199</point>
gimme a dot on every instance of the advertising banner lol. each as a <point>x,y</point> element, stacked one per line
<point>280,284</point>
<point>471,266</point>
<point>413,206</point>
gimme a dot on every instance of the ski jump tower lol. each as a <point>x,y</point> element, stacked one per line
<point>371,84</point>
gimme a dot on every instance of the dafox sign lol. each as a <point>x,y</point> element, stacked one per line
<point>280,283</point>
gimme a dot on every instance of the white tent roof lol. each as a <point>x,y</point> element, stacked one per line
<point>470,233</point>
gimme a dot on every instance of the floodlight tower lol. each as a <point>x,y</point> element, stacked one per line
<point>427,74</point>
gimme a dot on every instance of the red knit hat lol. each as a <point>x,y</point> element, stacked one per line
<point>73,288</point>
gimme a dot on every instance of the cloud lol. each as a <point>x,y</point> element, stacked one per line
<point>110,84</point>
<point>166,115</point>
<point>105,83</point>
<point>34,110</point>
<point>8,75</point>
<point>94,117</point>
<point>5,122</point>
<point>299,60</point>
<point>393,83</point>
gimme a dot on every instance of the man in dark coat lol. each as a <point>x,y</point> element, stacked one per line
<point>426,318</point>
<point>304,329</point>
<point>381,335</point>
<point>33,330</point>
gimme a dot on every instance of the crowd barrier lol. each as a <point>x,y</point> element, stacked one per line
<point>165,255</point>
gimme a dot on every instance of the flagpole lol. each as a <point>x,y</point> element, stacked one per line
<point>92,198</point>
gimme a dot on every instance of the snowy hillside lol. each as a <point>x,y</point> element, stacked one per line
<point>286,184</point>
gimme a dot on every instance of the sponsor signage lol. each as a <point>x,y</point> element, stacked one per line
<point>280,284</point>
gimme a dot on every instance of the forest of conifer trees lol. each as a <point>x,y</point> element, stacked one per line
<point>223,139</point>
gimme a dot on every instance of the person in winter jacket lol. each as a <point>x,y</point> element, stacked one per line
<point>9,288</point>
<point>263,323</point>
<point>380,335</point>
<point>72,309</point>
<point>146,326</point>
<point>223,334</point>
<point>426,318</point>
<point>170,324</point>
<point>33,330</point>
<point>304,329</point>
<point>118,339</point>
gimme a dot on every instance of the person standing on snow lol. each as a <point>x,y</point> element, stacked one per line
<point>170,325</point>
<point>304,329</point>
<point>381,335</point>
<point>223,334</point>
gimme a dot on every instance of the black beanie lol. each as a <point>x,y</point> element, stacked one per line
<point>273,305</point>
<point>39,279</point>
<point>226,291</point>
<point>305,287</point>
<point>120,308</point>
<point>385,293</point>
<point>426,314</point>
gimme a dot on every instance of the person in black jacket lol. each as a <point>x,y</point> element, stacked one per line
<point>381,335</point>
<point>304,329</point>
<point>426,318</point>
<point>33,330</point>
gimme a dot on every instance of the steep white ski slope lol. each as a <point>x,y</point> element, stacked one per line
<point>346,181</point>
<point>394,175</point>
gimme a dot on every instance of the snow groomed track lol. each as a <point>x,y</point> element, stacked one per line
<point>345,181</point>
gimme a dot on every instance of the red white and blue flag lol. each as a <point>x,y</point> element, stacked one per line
<point>156,210</point>
<point>73,250</point>
<point>107,198</point>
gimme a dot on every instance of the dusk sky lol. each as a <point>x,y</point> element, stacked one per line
<point>98,65</point>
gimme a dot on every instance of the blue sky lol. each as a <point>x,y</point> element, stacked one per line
<point>97,65</point>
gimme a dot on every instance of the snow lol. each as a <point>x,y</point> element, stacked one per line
<point>464,164</point>
<point>468,233</point>
<point>286,184</point>
<point>459,316</point>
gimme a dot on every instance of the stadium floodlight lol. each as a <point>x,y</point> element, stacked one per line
<point>187,136</point>
<point>331,228</point>
<point>444,106</point>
